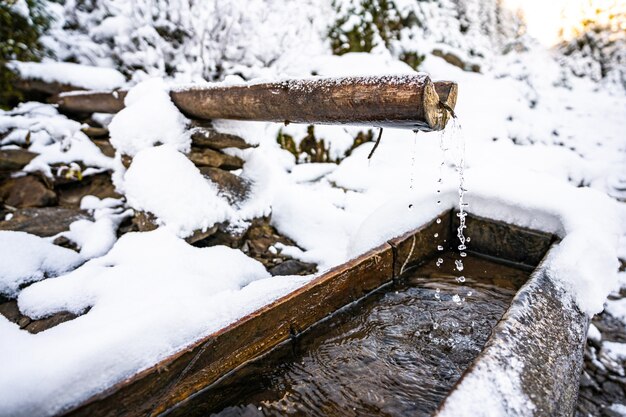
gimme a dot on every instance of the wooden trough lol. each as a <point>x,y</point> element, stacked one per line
<point>545,336</point>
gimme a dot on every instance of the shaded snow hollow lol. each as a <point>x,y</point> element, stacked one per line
<point>153,294</point>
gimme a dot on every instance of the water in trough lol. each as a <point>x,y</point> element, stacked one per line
<point>397,352</point>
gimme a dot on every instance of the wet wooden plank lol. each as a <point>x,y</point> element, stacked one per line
<point>504,241</point>
<point>419,245</point>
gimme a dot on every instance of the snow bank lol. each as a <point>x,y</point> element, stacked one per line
<point>149,118</point>
<point>26,258</point>
<point>83,76</point>
<point>150,296</point>
<point>164,182</point>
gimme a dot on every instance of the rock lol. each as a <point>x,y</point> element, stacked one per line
<point>234,188</point>
<point>44,222</point>
<point>12,313</point>
<point>95,132</point>
<point>37,326</point>
<point>144,221</point>
<point>15,159</point>
<point>105,147</point>
<point>200,235</point>
<point>27,191</point>
<point>44,88</point>
<point>205,157</point>
<point>612,389</point>
<point>293,267</point>
<point>258,240</point>
<point>99,185</point>
<point>455,60</point>
<point>210,138</point>
<point>127,160</point>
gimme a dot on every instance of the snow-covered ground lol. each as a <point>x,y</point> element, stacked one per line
<point>540,150</point>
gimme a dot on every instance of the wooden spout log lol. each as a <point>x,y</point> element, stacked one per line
<point>447,92</point>
<point>405,101</point>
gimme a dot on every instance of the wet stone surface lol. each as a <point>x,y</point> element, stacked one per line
<point>396,353</point>
<point>44,221</point>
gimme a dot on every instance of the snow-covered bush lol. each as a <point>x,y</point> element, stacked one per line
<point>598,47</point>
<point>186,39</point>
<point>22,22</point>
<point>471,30</point>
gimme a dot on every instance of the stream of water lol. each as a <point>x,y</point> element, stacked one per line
<point>396,353</point>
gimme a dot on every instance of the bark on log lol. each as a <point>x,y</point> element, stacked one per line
<point>406,101</point>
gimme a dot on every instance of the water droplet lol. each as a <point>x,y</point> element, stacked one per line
<point>469,293</point>
<point>436,235</point>
<point>439,247</point>
<point>435,325</point>
<point>438,220</point>
<point>459,264</point>
<point>461,278</point>
<point>462,247</point>
<point>463,254</point>
<point>456,298</point>
<point>438,201</point>
<point>467,239</point>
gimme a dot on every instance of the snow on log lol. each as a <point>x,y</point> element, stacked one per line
<point>405,101</point>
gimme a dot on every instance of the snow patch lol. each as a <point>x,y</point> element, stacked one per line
<point>164,182</point>
<point>83,76</point>
<point>149,297</point>
<point>25,258</point>
<point>149,118</point>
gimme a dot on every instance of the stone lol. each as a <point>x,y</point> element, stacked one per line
<point>15,159</point>
<point>200,235</point>
<point>205,157</point>
<point>223,236</point>
<point>105,147</point>
<point>208,137</point>
<point>144,221</point>
<point>234,188</point>
<point>293,267</point>
<point>37,326</point>
<point>45,221</point>
<point>612,389</point>
<point>10,311</point>
<point>27,191</point>
<point>99,185</point>
<point>95,132</point>
<point>455,60</point>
